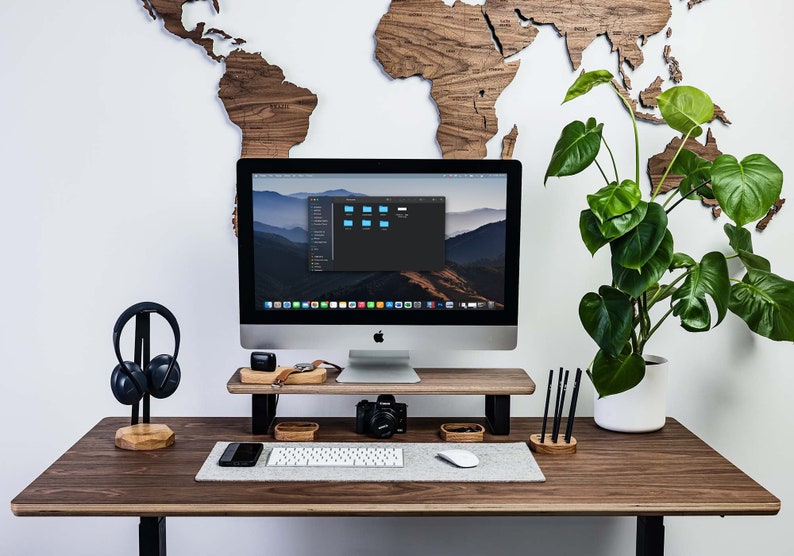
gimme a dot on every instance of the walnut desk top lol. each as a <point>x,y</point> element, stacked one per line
<point>669,472</point>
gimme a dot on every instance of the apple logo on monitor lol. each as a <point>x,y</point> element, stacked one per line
<point>378,337</point>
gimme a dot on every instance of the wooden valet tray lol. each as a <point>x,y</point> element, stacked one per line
<point>316,376</point>
<point>296,431</point>
<point>449,435</point>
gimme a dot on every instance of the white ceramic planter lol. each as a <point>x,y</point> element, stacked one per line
<point>641,409</point>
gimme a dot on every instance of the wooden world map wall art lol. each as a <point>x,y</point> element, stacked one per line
<point>463,51</point>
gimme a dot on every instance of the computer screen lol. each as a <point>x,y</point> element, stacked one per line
<point>378,255</point>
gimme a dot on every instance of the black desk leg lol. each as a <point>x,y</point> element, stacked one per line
<point>151,536</point>
<point>650,535</point>
<point>497,412</point>
<point>263,411</point>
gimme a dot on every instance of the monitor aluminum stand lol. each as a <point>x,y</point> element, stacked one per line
<point>378,367</point>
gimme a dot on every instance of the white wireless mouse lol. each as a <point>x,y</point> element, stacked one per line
<point>461,458</point>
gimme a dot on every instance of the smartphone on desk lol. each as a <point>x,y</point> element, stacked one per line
<point>241,454</point>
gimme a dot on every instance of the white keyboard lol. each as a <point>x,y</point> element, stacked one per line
<point>335,456</point>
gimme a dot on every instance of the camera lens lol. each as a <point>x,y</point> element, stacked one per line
<point>383,423</point>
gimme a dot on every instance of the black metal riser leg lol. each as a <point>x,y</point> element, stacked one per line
<point>497,412</point>
<point>151,536</point>
<point>650,535</point>
<point>263,411</point>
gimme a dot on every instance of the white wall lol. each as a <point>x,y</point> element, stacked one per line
<point>117,164</point>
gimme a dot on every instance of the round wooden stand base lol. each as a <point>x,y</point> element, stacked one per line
<point>144,436</point>
<point>549,447</point>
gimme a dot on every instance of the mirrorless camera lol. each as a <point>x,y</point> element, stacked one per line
<point>381,418</point>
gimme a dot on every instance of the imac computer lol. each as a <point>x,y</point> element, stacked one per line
<point>379,257</point>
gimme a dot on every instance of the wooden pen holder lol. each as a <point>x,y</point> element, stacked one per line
<point>549,447</point>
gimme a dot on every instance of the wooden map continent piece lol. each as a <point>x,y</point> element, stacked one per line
<point>273,114</point>
<point>453,48</point>
<point>649,94</point>
<point>171,13</point>
<point>764,222</point>
<point>673,67</point>
<point>509,143</point>
<point>633,103</point>
<point>513,31</point>
<point>624,22</point>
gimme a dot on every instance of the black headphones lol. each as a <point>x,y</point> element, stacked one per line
<point>161,376</point>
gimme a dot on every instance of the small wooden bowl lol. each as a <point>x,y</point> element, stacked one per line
<point>449,434</point>
<point>296,431</point>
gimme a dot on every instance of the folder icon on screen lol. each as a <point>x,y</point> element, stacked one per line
<point>383,208</point>
<point>347,223</point>
<point>384,223</point>
<point>366,223</point>
<point>348,208</point>
<point>366,208</point>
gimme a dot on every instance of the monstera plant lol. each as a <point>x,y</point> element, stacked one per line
<point>625,313</point>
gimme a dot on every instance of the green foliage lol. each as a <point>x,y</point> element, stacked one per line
<point>745,190</point>
<point>586,81</point>
<point>576,148</point>
<point>685,109</point>
<point>618,317</point>
<point>606,316</point>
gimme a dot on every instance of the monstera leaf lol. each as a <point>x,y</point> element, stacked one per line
<point>636,247</point>
<point>709,277</point>
<point>613,375</point>
<point>746,190</point>
<point>591,232</point>
<point>614,200</point>
<point>606,316</point>
<point>634,282</point>
<point>576,148</point>
<point>586,82</point>
<point>685,109</point>
<point>765,302</point>
<point>738,238</point>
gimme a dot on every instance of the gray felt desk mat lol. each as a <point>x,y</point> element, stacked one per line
<point>499,463</point>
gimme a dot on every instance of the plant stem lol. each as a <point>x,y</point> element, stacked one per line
<point>642,313</point>
<point>691,191</point>
<point>636,134</point>
<point>663,291</point>
<point>667,170</point>
<point>606,179</point>
<point>614,165</point>
<point>652,330</point>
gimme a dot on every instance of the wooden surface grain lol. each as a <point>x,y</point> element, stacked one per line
<point>433,381</point>
<point>669,472</point>
<point>453,48</point>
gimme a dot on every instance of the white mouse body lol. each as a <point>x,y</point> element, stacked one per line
<point>461,458</point>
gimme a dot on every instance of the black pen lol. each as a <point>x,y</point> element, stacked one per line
<point>558,420</point>
<point>546,408</point>
<point>572,412</point>
<point>557,405</point>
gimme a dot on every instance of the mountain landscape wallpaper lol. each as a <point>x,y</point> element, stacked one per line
<point>474,269</point>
